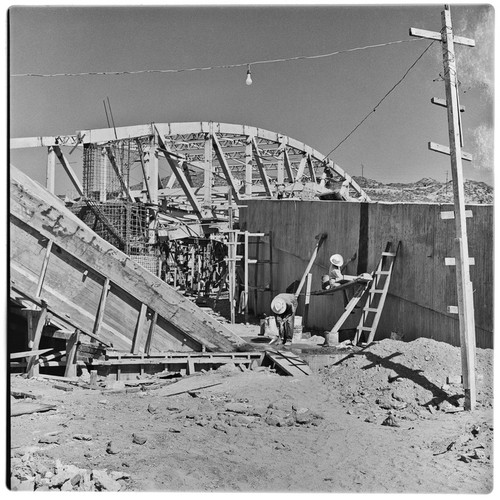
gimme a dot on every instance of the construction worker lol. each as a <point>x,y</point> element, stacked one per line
<point>284,306</point>
<point>335,270</point>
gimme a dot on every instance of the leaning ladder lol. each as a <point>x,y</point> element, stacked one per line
<point>374,305</point>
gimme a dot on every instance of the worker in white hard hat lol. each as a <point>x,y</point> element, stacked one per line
<point>283,307</point>
<point>335,271</point>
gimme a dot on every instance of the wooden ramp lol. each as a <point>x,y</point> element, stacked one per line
<point>289,362</point>
<point>93,287</point>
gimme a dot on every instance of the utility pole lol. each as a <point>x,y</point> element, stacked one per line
<point>465,308</point>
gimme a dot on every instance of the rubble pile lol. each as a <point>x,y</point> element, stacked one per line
<point>33,471</point>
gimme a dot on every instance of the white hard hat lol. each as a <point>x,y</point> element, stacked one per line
<point>337,260</point>
<point>278,305</point>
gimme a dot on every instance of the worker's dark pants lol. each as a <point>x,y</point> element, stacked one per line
<point>285,326</point>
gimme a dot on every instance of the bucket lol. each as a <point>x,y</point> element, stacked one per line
<point>297,329</point>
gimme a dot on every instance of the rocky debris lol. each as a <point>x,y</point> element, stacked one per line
<point>33,472</point>
<point>139,439</point>
<point>111,448</point>
<point>424,190</point>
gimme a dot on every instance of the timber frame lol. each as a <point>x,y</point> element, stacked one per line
<point>248,161</point>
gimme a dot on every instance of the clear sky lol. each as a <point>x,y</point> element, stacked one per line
<point>316,101</point>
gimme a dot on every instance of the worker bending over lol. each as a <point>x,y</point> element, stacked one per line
<point>283,307</point>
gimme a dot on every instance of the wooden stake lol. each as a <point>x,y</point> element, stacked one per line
<point>71,350</point>
<point>35,336</point>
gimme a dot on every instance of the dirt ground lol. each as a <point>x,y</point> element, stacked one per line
<point>379,419</point>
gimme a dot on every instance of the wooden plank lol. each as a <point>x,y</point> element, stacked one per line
<point>225,168</point>
<point>71,350</point>
<point>450,214</point>
<point>446,150</point>
<point>44,268</point>
<point>102,306</point>
<point>51,170</point>
<point>149,339</point>
<point>33,205</point>
<point>36,335</point>
<point>139,329</point>
<point>261,168</point>
<point>27,354</point>
<point>289,362</point>
<point>69,170</point>
<point>435,35</point>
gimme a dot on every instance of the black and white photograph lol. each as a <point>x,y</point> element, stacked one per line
<point>250,248</point>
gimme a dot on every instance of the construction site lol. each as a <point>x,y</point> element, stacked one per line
<point>252,321</point>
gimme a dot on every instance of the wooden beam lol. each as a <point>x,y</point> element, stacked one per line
<point>288,166</point>
<point>435,35</point>
<point>302,167</point>
<point>225,168</point>
<point>102,305</point>
<point>116,168</point>
<point>446,150</point>
<point>442,102</point>
<point>71,350</point>
<point>35,336</point>
<point>260,166</point>
<point>248,167</point>
<point>67,167</point>
<point>208,172</point>
<point>464,285</point>
<point>149,339</point>
<point>311,168</point>
<point>139,328</point>
<point>51,169</point>
<point>43,271</point>
<point>180,176</point>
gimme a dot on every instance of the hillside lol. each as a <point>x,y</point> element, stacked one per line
<point>425,190</point>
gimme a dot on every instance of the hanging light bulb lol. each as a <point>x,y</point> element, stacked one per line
<point>249,76</point>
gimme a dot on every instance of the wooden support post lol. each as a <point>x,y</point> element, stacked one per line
<point>138,329</point>
<point>321,238</point>
<point>464,285</point>
<point>102,306</point>
<point>116,168</point>
<point>149,340</point>
<point>288,166</point>
<point>225,168</point>
<point>208,171</point>
<point>43,271</point>
<point>307,300</point>
<point>260,166</point>
<point>248,167</point>
<point>67,167</point>
<point>35,336</point>
<point>245,270</point>
<point>51,170</point>
<point>310,165</point>
<point>302,167</point>
<point>71,351</point>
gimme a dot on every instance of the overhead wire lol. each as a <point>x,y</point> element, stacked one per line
<point>381,100</point>
<point>222,66</point>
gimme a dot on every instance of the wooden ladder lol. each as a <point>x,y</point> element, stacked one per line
<point>374,305</point>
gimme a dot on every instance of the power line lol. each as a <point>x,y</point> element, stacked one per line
<point>380,102</point>
<point>223,66</point>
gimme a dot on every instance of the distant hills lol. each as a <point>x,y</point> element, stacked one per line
<point>424,190</point>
